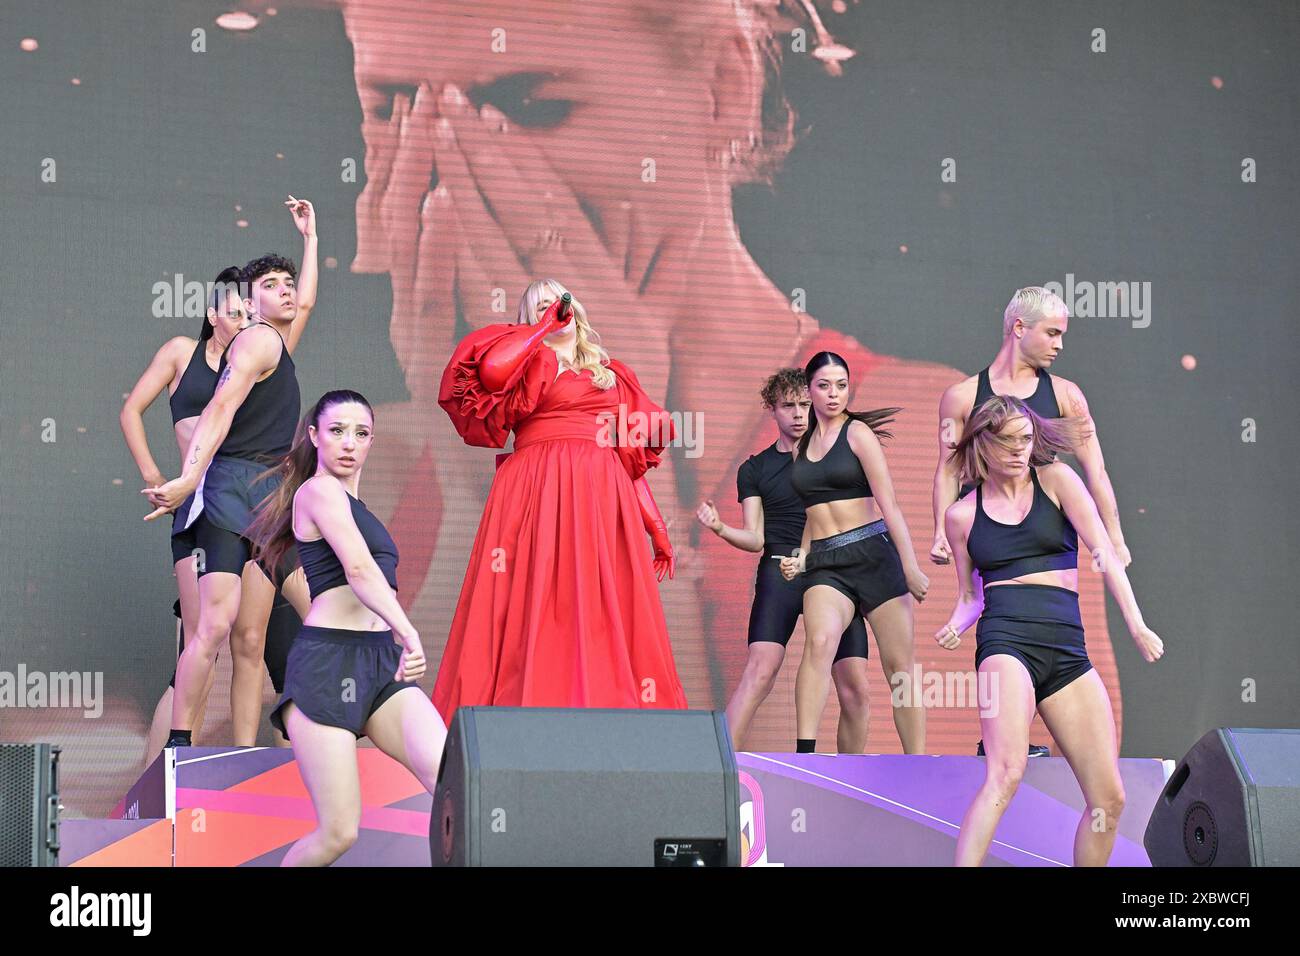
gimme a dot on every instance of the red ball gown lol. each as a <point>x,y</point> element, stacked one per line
<point>560,605</point>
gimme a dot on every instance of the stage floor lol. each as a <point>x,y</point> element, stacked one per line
<point>214,806</point>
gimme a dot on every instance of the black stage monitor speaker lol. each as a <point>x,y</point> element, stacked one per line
<point>1233,801</point>
<point>534,786</point>
<point>29,805</point>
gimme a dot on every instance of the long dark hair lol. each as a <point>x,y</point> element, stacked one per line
<point>876,419</point>
<point>230,279</point>
<point>272,529</point>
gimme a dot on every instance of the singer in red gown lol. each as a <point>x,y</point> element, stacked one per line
<point>560,605</point>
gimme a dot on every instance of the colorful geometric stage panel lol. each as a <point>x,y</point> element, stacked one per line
<point>244,807</point>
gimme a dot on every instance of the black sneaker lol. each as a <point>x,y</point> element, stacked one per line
<point>1035,750</point>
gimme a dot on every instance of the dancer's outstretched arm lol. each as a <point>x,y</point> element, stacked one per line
<point>304,217</point>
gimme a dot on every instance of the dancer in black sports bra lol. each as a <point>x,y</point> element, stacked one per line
<point>188,369</point>
<point>774,520</point>
<point>856,553</point>
<point>354,664</point>
<point>208,542</point>
<point>1033,332</point>
<point>1020,532</point>
<point>1034,324</point>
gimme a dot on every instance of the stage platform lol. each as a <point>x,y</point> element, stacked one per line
<point>213,806</point>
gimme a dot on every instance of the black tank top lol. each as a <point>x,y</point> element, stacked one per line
<point>194,390</point>
<point>1043,402</point>
<point>263,426</point>
<point>322,565</point>
<point>837,476</point>
<point>767,476</point>
<point>1044,541</point>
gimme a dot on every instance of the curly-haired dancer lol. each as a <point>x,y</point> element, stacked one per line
<point>774,521</point>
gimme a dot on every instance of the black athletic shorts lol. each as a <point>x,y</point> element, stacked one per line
<point>1038,625</point>
<point>339,678</point>
<point>184,542</point>
<point>220,511</point>
<point>778,604</point>
<point>861,564</point>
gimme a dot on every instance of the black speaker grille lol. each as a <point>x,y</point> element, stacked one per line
<point>17,799</point>
<point>1200,834</point>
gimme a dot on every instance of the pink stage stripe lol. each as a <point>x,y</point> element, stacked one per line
<point>388,819</point>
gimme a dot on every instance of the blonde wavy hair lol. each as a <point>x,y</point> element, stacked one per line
<point>588,355</point>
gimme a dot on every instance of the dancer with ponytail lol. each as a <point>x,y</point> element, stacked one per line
<point>1020,532</point>
<point>856,552</point>
<point>186,369</point>
<point>774,521</point>
<point>353,668</point>
<point>560,605</point>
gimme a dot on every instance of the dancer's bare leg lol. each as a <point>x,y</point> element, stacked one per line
<point>826,616</point>
<point>327,761</point>
<point>892,623</point>
<point>1006,744</point>
<point>850,675</point>
<point>761,667</point>
<point>409,729</point>
<point>1080,721</point>
<point>219,594</point>
<point>247,648</point>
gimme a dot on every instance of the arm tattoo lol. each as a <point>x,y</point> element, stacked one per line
<point>1077,404</point>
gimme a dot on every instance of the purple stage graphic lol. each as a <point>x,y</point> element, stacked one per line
<point>244,807</point>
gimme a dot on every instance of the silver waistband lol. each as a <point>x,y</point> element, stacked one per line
<point>849,537</point>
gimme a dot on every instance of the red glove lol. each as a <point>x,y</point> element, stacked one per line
<point>656,528</point>
<point>514,348</point>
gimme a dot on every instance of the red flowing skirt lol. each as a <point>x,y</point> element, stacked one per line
<point>560,605</point>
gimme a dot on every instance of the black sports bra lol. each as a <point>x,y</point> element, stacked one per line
<point>837,476</point>
<point>322,566</point>
<point>1043,541</point>
<point>194,390</point>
